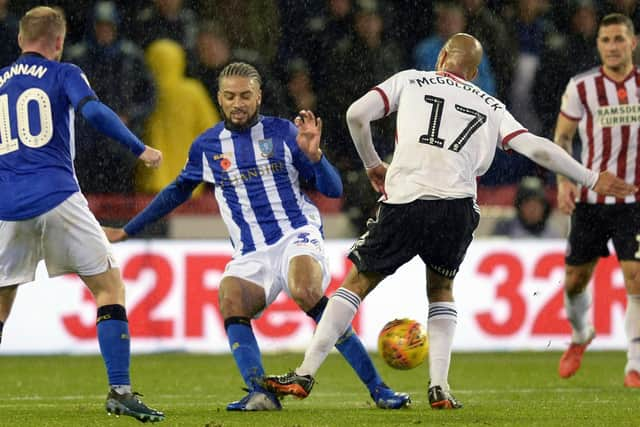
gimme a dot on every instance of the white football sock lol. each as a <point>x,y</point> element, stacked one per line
<point>337,317</point>
<point>441,327</point>
<point>577,308</point>
<point>632,328</point>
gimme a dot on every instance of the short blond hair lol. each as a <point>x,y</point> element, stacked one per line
<point>42,22</point>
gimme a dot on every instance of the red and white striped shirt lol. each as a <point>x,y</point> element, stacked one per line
<point>609,125</point>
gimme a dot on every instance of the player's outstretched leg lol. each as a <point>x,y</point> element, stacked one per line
<point>246,354</point>
<point>442,399</point>
<point>129,403</point>
<point>572,358</point>
<point>352,349</point>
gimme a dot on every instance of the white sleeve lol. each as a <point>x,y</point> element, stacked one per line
<point>359,117</point>
<point>571,106</point>
<point>553,157</point>
<point>375,104</point>
<point>509,129</point>
<point>391,89</point>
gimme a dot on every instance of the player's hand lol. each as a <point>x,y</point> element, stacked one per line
<point>567,192</point>
<point>376,176</point>
<point>610,185</point>
<point>115,235</point>
<point>151,157</point>
<point>309,132</point>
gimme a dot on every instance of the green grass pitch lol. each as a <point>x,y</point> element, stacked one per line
<point>497,389</point>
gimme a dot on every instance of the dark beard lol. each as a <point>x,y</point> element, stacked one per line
<point>239,128</point>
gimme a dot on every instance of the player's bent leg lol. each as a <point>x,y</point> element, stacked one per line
<point>240,300</point>
<point>352,349</point>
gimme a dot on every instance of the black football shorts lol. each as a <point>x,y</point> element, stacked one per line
<point>439,231</point>
<point>593,225</point>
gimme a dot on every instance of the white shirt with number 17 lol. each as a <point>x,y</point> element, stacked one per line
<point>447,133</point>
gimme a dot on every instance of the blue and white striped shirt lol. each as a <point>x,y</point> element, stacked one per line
<point>256,173</point>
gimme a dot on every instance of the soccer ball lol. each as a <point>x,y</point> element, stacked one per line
<point>403,343</point>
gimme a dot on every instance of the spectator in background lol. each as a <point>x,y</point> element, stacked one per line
<point>9,50</point>
<point>166,19</point>
<point>530,29</point>
<point>184,110</point>
<point>294,18</point>
<point>214,52</point>
<point>105,57</point>
<point>324,31</point>
<point>450,19</point>
<point>300,93</point>
<point>355,65</point>
<point>409,21</point>
<point>248,24</point>
<point>491,31</point>
<point>526,25</point>
<point>564,58</point>
<point>532,213</point>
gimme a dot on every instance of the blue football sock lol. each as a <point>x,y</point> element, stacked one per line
<point>245,350</point>
<point>113,337</point>
<point>352,349</point>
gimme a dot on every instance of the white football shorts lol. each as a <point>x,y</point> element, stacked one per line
<point>68,238</point>
<point>269,268</point>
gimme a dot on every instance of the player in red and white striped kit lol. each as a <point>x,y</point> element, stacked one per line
<point>603,104</point>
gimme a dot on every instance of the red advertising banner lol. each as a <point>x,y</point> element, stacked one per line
<point>508,294</point>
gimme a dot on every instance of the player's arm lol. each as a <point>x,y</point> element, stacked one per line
<point>309,130</point>
<point>327,178</point>
<point>106,121</point>
<point>84,100</point>
<point>172,196</point>
<point>563,137</point>
<point>551,156</point>
<point>360,114</point>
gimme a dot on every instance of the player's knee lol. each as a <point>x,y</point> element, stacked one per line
<point>107,288</point>
<point>306,293</point>
<point>231,305</point>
